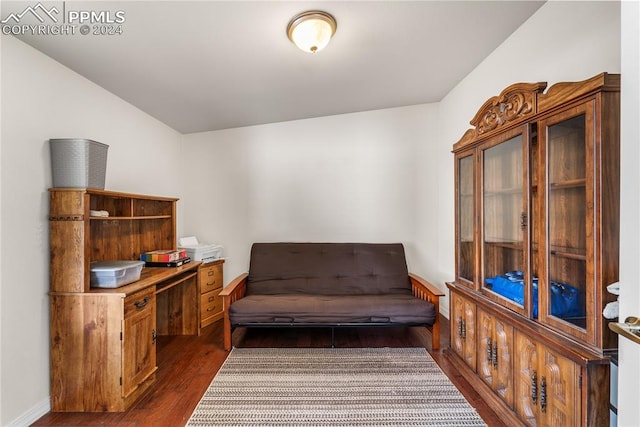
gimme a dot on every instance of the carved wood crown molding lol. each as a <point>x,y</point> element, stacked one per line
<point>522,101</point>
<point>515,102</point>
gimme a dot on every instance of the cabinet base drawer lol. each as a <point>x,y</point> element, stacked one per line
<point>210,277</point>
<point>210,307</point>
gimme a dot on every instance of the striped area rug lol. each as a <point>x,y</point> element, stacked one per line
<point>332,387</point>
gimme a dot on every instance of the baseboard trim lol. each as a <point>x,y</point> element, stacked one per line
<point>445,311</point>
<point>33,414</point>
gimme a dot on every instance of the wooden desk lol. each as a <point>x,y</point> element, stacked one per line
<point>103,353</point>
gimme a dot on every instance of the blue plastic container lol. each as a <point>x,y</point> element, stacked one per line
<point>565,299</point>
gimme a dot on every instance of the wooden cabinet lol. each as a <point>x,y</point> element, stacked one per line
<point>537,235</point>
<point>138,339</point>
<point>86,368</point>
<point>547,385</point>
<point>103,341</point>
<point>210,284</point>
<point>580,194</point>
<point>463,329</point>
<point>495,355</point>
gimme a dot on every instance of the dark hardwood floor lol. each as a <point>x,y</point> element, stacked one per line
<point>187,365</point>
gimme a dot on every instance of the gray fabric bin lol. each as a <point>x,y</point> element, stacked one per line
<point>78,163</point>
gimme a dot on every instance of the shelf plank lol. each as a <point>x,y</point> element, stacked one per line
<point>134,218</point>
<point>572,183</point>
<point>503,191</point>
<point>576,254</point>
<point>505,244</point>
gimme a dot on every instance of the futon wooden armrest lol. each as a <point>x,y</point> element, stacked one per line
<point>237,285</point>
<point>418,282</point>
<point>230,294</point>
<point>426,291</point>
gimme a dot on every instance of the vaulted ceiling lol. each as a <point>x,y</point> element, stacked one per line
<point>210,65</point>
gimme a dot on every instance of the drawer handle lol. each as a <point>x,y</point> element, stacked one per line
<point>211,298</point>
<point>543,394</point>
<point>494,355</point>
<point>211,272</point>
<point>211,283</point>
<point>143,303</point>
<point>211,309</point>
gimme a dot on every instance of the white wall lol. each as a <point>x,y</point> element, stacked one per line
<point>274,180</point>
<point>1,240</point>
<point>41,99</point>
<point>629,374</point>
<point>383,175</point>
<point>563,41</point>
<point>351,177</point>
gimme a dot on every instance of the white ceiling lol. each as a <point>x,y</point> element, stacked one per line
<point>209,65</point>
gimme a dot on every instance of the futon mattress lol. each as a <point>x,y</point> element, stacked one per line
<point>332,309</point>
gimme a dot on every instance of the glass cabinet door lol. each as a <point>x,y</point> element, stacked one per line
<point>466,256</point>
<point>504,222</point>
<point>566,282</point>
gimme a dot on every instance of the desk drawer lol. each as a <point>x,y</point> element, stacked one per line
<point>210,306</point>
<point>210,277</point>
<point>140,301</point>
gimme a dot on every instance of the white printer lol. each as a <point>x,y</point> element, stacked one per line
<point>200,251</point>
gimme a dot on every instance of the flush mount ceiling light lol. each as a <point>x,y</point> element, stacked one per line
<point>311,30</point>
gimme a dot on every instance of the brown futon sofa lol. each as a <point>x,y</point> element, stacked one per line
<point>332,285</point>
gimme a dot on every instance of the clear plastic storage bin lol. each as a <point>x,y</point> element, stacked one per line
<point>113,274</point>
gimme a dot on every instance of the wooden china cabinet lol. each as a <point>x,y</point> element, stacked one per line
<point>537,234</point>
